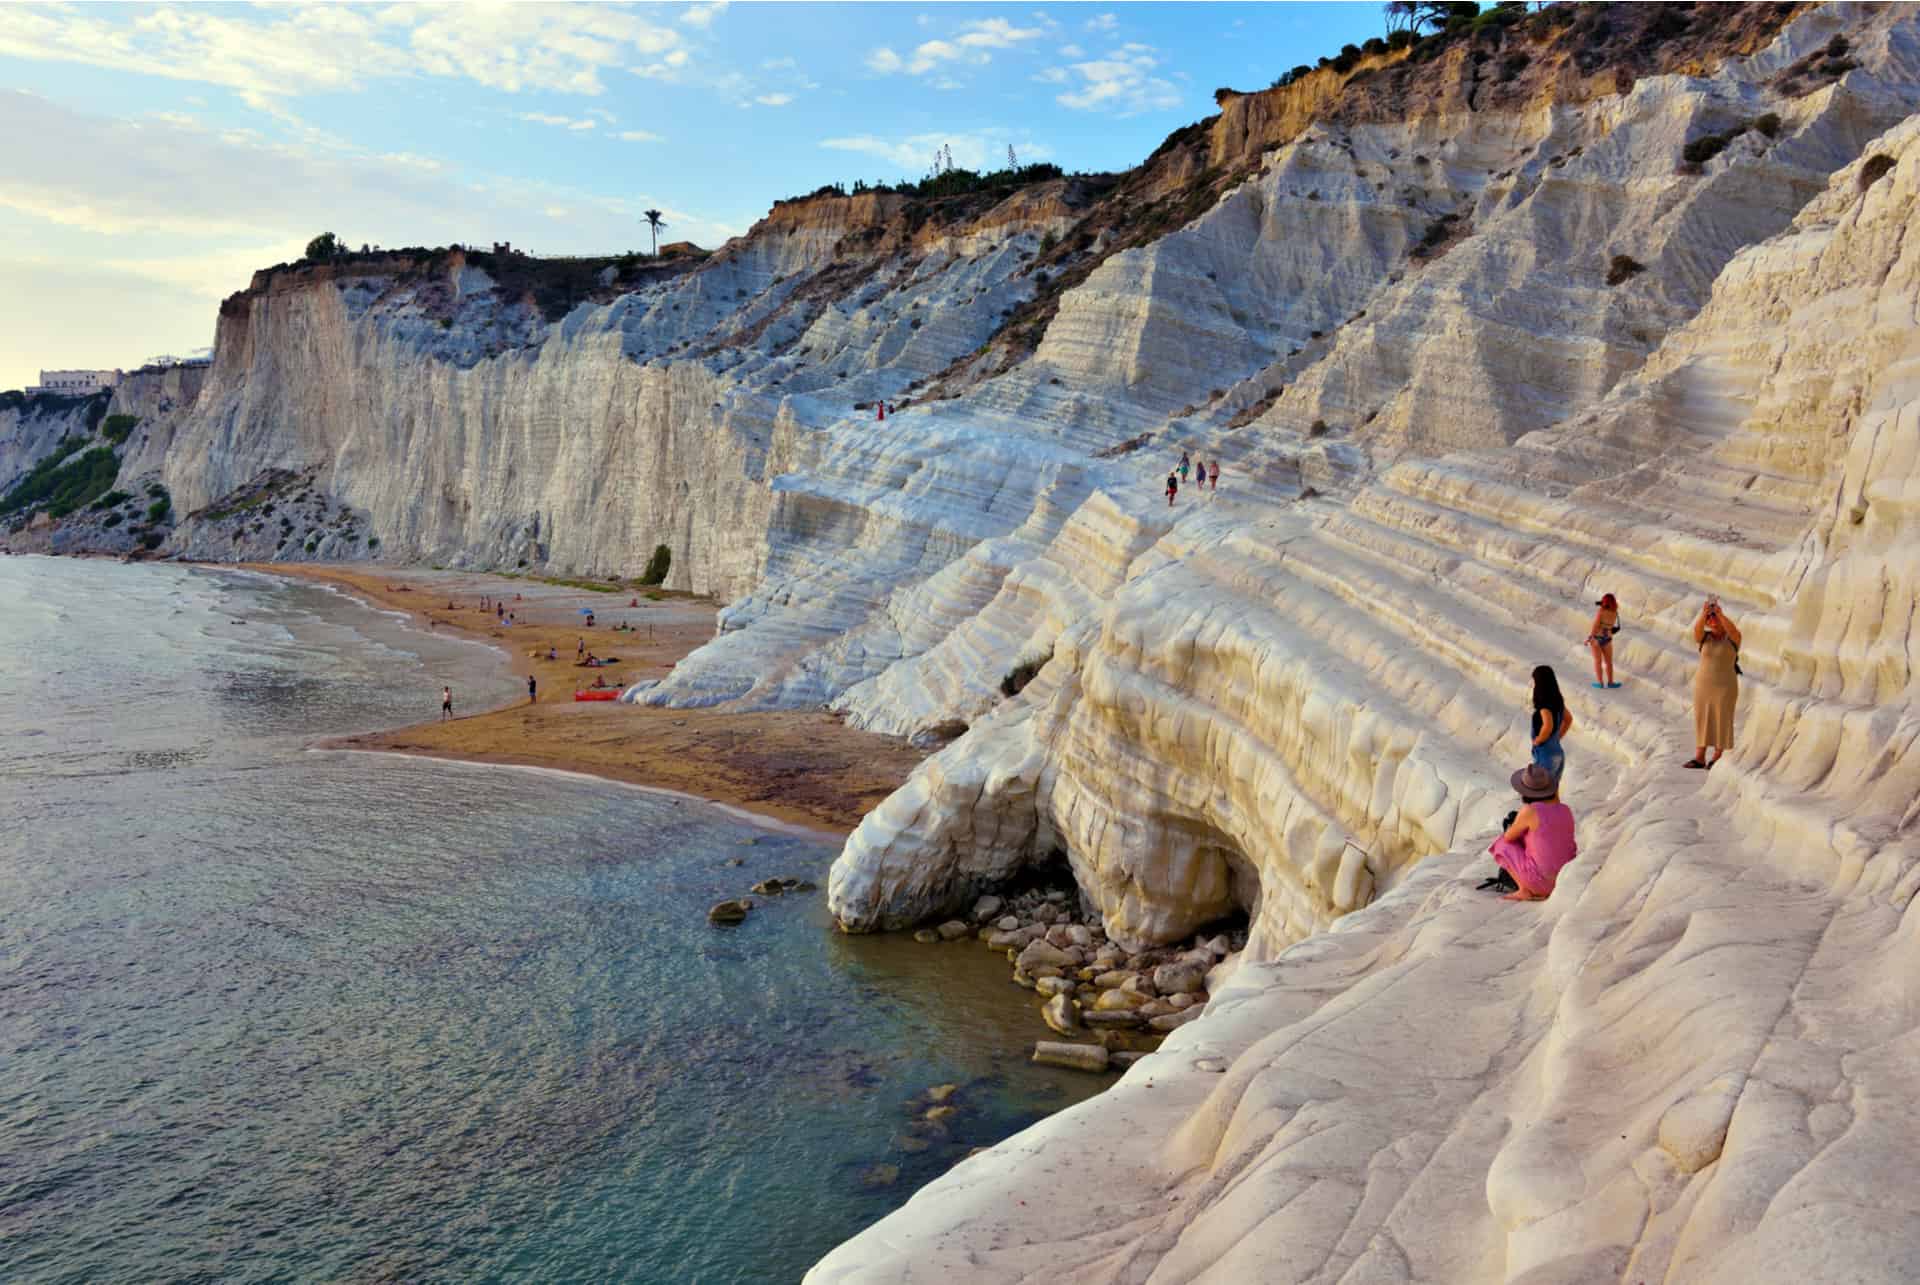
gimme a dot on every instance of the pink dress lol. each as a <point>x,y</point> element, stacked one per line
<point>1535,862</point>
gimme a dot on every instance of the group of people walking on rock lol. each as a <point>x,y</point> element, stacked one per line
<point>1537,840</point>
<point>1206,477</point>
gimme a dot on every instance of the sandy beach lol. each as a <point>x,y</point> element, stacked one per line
<point>805,768</point>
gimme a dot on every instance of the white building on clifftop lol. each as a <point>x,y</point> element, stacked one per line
<point>75,383</point>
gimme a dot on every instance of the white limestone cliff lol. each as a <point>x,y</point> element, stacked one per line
<point>1692,1062</point>
<point>1473,343</point>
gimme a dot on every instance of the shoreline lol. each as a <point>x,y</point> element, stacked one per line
<point>802,769</point>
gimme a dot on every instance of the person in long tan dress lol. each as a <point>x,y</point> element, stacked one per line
<point>1716,684</point>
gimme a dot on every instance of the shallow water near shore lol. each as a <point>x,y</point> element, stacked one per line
<point>271,1014</point>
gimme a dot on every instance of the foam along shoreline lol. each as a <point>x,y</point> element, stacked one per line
<point>746,816</point>
<point>798,768</point>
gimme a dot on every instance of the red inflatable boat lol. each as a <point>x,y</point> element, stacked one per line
<point>597,694</point>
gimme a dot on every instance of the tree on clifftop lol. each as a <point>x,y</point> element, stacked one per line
<point>654,224</point>
<point>323,247</point>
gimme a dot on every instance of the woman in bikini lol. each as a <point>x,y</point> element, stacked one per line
<point>1606,623</point>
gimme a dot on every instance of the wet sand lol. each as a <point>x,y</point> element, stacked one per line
<point>801,767</point>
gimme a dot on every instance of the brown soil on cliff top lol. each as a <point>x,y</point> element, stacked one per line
<point>806,768</point>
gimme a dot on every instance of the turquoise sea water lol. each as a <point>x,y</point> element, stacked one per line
<point>268,1014</point>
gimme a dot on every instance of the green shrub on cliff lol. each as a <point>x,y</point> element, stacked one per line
<point>117,428</point>
<point>657,565</point>
<point>63,482</point>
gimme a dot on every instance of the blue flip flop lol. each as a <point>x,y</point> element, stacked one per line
<point>1613,684</point>
<point>1603,684</point>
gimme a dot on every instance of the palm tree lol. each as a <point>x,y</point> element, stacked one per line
<point>655,222</point>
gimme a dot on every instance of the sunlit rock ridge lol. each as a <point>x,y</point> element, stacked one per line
<point>1615,299</point>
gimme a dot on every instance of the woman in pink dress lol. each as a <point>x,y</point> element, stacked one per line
<point>1539,842</point>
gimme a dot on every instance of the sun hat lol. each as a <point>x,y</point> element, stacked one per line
<point>1607,601</point>
<point>1534,783</point>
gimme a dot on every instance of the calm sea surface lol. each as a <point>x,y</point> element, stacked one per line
<point>274,1014</point>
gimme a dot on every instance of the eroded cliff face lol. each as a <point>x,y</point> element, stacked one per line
<point>1470,349</point>
<point>1691,1062</point>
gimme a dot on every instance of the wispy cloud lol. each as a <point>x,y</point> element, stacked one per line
<point>265,54</point>
<point>773,100</point>
<point>640,136</point>
<point>702,15</point>
<point>563,122</point>
<point>1123,83</point>
<point>970,45</point>
<point>1102,22</point>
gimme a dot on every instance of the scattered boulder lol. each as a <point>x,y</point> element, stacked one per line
<point>1174,1021</point>
<point>939,1113</point>
<point>1051,986</point>
<point>926,936</point>
<point>1117,999</point>
<point>1118,1018</point>
<point>881,1175</point>
<point>1074,1057</point>
<point>1179,979</point>
<point>1008,924</point>
<point>729,912</point>
<point>1060,1014</point>
<point>953,930</point>
<point>941,1092</point>
<point>1113,980</point>
<point>1039,952</point>
<point>988,908</point>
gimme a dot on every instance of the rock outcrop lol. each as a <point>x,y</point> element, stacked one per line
<point>1596,299</point>
<point>1687,1065</point>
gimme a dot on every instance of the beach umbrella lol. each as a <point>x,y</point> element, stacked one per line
<point>586,611</point>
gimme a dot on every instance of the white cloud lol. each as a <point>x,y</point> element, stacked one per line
<point>270,53</point>
<point>563,122</point>
<point>976,150</point>
<point>640,136</point>
<point>997,33</point>
<point>1072,51</point>
<point>780,64</point>
<point>1122,83</point>
<point>702,15</point>
<point>1103,22</point>
<point>969,46</point>
<point>774,100</point>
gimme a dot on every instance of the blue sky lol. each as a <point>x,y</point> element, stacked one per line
<point>159,152</point>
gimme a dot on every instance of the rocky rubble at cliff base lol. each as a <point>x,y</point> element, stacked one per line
<point>1094,989</point>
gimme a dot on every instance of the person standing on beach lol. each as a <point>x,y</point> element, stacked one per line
<point>1173,487</point>
<point>446,703</point>
<point>1213,476</point>
<point>1185,464</point>
<point>531,689</point>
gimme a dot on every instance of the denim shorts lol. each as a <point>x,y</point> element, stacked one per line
<point>1551,757</point>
